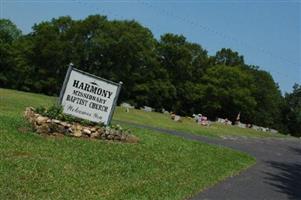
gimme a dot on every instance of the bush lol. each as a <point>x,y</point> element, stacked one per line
<point>56,112</point>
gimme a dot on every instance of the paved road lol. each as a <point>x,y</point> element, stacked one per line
<point>275,176</point>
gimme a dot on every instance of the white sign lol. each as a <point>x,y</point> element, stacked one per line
<point>89,97</point>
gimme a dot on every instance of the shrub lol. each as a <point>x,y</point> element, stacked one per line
<point>56,112</point>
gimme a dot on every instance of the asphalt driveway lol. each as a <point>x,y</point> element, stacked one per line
<point>275,176</point>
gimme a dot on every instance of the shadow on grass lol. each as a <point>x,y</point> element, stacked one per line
<point>287,176</point>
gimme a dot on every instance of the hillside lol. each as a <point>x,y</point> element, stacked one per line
<point>159,167</point>
<point>188,125</point>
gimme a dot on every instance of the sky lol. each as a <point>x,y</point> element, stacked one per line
<point>266,32</point>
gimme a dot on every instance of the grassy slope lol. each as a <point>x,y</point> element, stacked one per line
<point>159,167</point>
<point>188,125</point>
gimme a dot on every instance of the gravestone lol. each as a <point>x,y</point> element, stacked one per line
<point>147,109</point>
<point>220,120</point>
<point>126,105</point>
<point>241,125</point>
<point>273,131</point>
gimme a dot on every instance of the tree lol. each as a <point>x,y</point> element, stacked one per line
<point>229,58</point>
<point>185,63</point>
<point>292,111</point>
<point>51,53</point>
<point>228,91</point>
<point>9,33</point>
<point>268,97</point>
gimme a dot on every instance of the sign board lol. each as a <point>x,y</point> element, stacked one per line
<point>89,97</point>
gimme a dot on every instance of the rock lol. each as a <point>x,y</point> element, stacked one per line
<point>43,129</point>
<point>123,137</point>
<point>112,132</point>
<point>57,128</point>
<point>61,129</point>
<point>117,137</point>
<point>85,136</point>
<point>56,121</point>
<point>78,127</point>
<point>106,133</point>
<point>77,130</point>
<point>100,133</point>
<point>100,130</point>
<point>40,120</point>
<point>31,119</point>
<point>54,127</point>
<point>29,113</point>
<point>109,137</point>
<point>77,133</point>
<point>95,135</point>
<point>86,131</point>
<point>65,124</point>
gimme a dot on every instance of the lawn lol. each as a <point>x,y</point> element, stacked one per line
<point>188,125</point>
<point>159,167</point>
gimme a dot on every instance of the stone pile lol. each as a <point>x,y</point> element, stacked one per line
<point>45,125</point>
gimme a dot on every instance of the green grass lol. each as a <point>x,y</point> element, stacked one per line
<point>159,167</point>
<point>188,125</point>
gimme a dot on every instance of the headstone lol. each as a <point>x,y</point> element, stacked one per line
<point>227,122</point>
<point>264,129</point>
<point>177,118</point>
<point>164,111</point>
<point>126,105</point>
<point>196,117</point>
<point>273,131</point>
<point>241,125</point>
<point>221,120</point>
<point>147,109</point>
<point>203,120</point>
<point>257,128</point>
